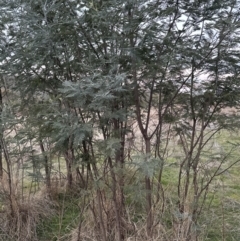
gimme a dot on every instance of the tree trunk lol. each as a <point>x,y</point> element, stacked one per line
<point>69,157</point>
<point>148,194</point>
<point>118,180</point>
<point>1,163</point>
<point>46,165</point>
<point>12,201</point>
<point>1,136</point>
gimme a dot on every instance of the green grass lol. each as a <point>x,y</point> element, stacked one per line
<point>221,213</point>
<point>64,220</point>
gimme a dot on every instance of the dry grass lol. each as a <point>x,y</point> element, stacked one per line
<point>139,233</point>
<point>19,214</point>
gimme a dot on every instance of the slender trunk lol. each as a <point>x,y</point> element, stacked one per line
<point>1,136</point>
<point>118,180</point>
<point>148,194</point>
<point>92,174</point>
<point>69,157</point>
<point>1,163</point>
<point>100,210</point>
<point>118,200</point>
<point>46,165</point>
<point>12,201</point>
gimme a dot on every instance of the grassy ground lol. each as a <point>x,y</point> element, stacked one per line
<point>220,216</point>
<point>65,219</point>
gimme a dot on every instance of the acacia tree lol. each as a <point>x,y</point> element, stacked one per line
<point>68,51</point>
